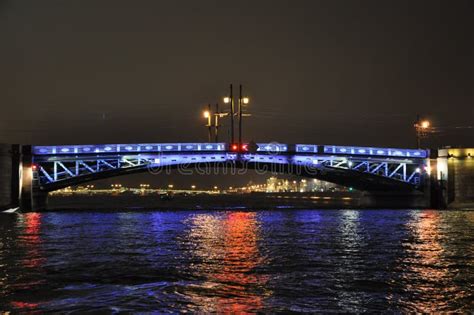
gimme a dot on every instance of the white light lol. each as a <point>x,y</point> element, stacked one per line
<point>417,170</point>
<point>227,100</point>
<point>428,169</point>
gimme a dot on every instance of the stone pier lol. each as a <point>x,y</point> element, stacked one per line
<point>17,187</point>
<point>9,175</point>
<point>456,177</point>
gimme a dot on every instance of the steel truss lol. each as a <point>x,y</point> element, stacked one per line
<point>57,169</point>
<point>398,170</point>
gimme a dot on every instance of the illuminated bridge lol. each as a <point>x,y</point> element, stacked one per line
<point>364,168</point>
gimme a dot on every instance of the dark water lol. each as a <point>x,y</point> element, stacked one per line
<point>207,261</point>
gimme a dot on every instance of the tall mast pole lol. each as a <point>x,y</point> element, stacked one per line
<point>216,123</point>
<point>240,116</point>
<point>231,116</point>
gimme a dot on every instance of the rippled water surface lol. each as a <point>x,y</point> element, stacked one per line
<point>224,261</point>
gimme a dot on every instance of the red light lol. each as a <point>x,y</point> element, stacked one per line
<point>34,167</point>
<point>245,147</point>
<point>235,147</point>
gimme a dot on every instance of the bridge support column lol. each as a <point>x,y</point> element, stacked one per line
<point>9,175</point>
<point>31,199</point>
<point>456,177</point>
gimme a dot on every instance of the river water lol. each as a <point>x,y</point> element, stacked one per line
<point>237,261</point>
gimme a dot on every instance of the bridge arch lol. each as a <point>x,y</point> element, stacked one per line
<point>69,174</point>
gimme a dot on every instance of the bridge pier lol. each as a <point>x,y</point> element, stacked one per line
<point>455,178</point>
<point>17,186</point>
<point>9,175</point>
<point>31,198</point>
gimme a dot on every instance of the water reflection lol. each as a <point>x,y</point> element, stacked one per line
<point>32,240</point>
<point>433,288</point>
<point>226,247</point>
<point>340,261</point>
<point>348,271</point>
<point>32,259</point>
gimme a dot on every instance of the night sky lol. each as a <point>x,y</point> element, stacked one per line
<point>324,72</point>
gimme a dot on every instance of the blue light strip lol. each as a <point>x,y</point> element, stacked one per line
<point>370,151</point>
<point>272,147</point>
<point>306,148</point>
<point>127,148</point>
<point>222,147</point>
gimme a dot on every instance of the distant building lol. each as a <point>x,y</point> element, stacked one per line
<point>275,184</point>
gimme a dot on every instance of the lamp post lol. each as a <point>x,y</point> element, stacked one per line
<point>242,101</point>
<point>207,114</point>
<point>240,116</point>
<point>216,123</point>
<point>422,127</point>
<point>230,100</point>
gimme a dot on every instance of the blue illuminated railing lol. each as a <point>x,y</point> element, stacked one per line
<point>128,148</point>
<point>369,151</point>
<point>124,149</point>
<point>306,148</point>
<point>272,147</point>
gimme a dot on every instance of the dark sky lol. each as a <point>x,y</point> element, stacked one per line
<point>334,72</point>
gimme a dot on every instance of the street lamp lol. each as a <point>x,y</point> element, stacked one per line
<point>422,128</point>
<point>208,115</point>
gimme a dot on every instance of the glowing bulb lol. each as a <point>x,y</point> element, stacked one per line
<point>227,100</point>
<point>207,114</point>
<point>245,100</point>
<point>425,124</point>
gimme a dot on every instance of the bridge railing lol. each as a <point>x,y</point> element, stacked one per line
<point>272,147</point>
